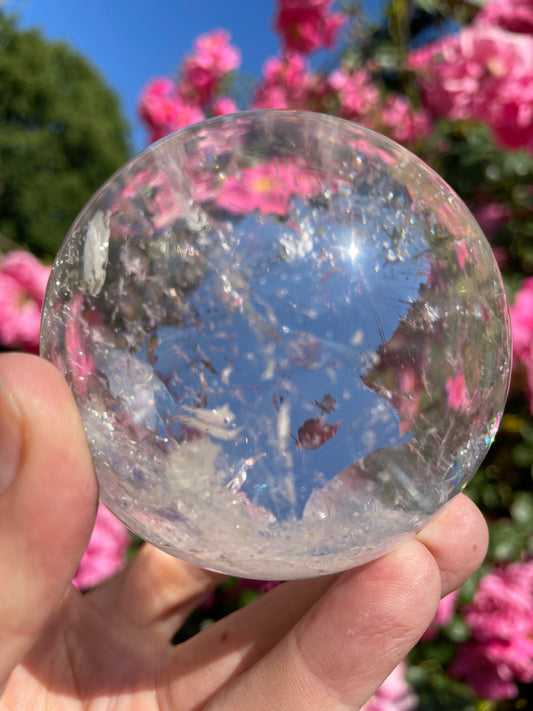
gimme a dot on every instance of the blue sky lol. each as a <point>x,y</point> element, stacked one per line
<point>132,41</point>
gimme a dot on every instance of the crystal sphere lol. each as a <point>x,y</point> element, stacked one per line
<point>288,340</point>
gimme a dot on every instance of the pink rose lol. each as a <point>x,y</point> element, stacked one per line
<point>214,51</point>
<point>106,552</point>
<point>400,121</point>
<point>23,282</point>
<point>522,320</point>
<point>491,217</point>
<point>272,97</point>
<point>444,614</point>
<point>357,94</point>
<point>511,116</point>
<point>491,669</point>
<point>482,73</point>
<point>500,617</point>
<point>223,105</point>
<point>213,57</point>
<point>307,25</point>
<point>261,586</point>
<point>503,605</point>
<point>164,111</point>
<point>156,102</point>
<point>360,100</point>
<point>522,329</point>
<point>512,15</point>
<point>394,694</point>
<point>286,84</point>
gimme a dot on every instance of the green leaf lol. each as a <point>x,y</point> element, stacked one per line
<point>526,431</point>
<point>429,6</point>
<point>522,509</point>
<point>522,455</point>
<point>247,596</point>
<point>457,630</point>
<point>505,541</point>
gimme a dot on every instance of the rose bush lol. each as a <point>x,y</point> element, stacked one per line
<point>499,653</point>
<point>22,285</point>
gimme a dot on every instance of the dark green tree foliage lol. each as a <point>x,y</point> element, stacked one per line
<point>61,135</point>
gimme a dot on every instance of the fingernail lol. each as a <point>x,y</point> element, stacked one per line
<point>10,447</point>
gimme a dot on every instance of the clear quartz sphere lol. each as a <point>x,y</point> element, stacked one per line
<point>288,340</point>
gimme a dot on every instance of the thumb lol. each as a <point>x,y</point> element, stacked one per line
<point>48,499</point>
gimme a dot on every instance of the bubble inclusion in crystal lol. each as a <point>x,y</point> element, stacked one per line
<point>288,340</point>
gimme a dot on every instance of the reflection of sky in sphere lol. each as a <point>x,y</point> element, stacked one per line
<point>286,316</point>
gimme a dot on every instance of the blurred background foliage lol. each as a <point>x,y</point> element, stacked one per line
<point>62,133</point>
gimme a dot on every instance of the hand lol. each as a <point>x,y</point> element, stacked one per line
<point>319,645</point>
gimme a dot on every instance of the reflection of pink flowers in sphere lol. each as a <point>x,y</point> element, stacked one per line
<point>106,552</point>
<point>457,392</point>
<point>23,282</point>
<point>155,189</point>
<point>268,188</point>
<point>81,360</point>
